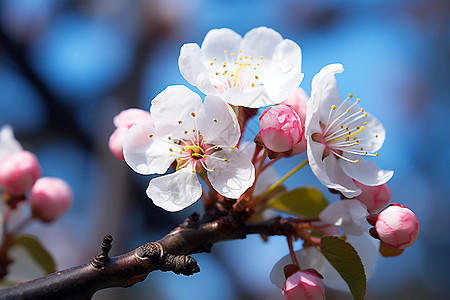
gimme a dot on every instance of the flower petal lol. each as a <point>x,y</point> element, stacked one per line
<point>340,181</point>
<point>175,191</point>
<point>260,41</point>
<point>349,215</point>
<point>230,179</point>
<point>194,69</point>
<point>219,40</point>
<point>146,155</point>
<point>172,108</point>
<point>365,172</point>
<point>284,75</point>
<point>218,123</point>
<point>254,97</point>
<point>372,138</point>
<point>324,92</point>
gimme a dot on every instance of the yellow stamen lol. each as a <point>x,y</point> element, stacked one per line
<point>349,135</point>
<point>236,74</point>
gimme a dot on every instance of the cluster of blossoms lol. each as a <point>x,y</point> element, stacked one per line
<point>21,181</point>
<point>191,139</point>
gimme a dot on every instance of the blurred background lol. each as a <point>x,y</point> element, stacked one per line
<point>67,67</point>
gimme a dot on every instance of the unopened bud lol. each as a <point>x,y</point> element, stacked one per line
<point>18,172</point>
<point>297,101</point>
<point>50,198</point>
<point>374,197</point>
<point>304,285</point>
<point>280,128</point>
<point>397,226</point>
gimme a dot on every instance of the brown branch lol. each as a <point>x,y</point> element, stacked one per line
<point>168,254</point>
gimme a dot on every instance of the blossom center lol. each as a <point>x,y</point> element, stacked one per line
<point>341,129</point>
<point>232,74</point>
<point>197,152</point>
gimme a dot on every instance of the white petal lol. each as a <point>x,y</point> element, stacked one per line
<point>340,181</point>
<point>349,215</point>
<point>372,138</point>
<point>219,40</point>
<point>194,69</point>
<point>254,97</point>
<point>284,75</point>
<point>324,92</point>
<point>176,103</point>
<point>8,143</point>
<point>365,172</point>
<point>176,191</point>
<point>315,152</point>
<point>367,248</point>
<point>260,41</point>
<point>268,176</point>
<point>146,155</point>
<point>230,179</point>
<point>218,123</point>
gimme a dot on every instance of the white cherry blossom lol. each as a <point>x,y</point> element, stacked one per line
<point>256,70</point>
<point>339,134</point>
<point>199,138</point>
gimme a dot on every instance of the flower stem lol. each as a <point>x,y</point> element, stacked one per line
<point>291,251</point>
<point>282,179</point>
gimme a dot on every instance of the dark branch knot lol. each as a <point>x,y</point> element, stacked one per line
<point>160,259</point>
<point>101,259</point>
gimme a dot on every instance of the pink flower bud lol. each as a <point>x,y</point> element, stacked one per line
<point>374,197</point>
<point>131,116</point>
<point>18,172</point>
<point>123,121</point>
<point>50,198</point>
<point>297,101</point>
<point>304,285</point>
<point>280,128</point>
<point>397,226</point>
<point>116,142</point>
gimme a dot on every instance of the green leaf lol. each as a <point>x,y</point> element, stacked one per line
<point>344,258</point>
<point>37,252</point>
<point>303,202</point>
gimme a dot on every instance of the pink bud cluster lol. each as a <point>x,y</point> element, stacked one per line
<point>20,178</point>
<point>123,121</point>
<point>396,226</point>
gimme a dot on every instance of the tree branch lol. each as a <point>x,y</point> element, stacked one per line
<point>168,254</point>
